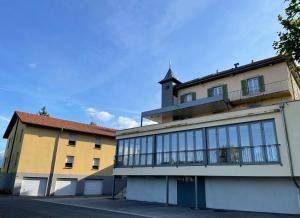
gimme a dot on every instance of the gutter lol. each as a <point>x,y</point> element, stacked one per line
<point>288,146</point>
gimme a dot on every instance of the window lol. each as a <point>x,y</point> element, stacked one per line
<point>217,91</point>
<point>98,143</point>
<point>188,97</point>
<point>96,162</point>
<point>72,139</point>
<point>69,161</point>
<point>242,143</point>
<point>253,86</point>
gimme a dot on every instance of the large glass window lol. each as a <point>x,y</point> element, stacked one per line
<point>245,143</point>
<point>173,148</point>
<point>159,149</point>
<point>199,146</point>
<point>190,146</point>
<point>181,146</point>
<point>212,145</point>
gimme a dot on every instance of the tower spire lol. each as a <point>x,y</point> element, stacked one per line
<point>170,66</point>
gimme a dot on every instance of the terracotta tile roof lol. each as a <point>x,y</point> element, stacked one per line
<point>51,122</point>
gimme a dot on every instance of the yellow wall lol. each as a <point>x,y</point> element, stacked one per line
<point>36,151</point>
<point>83,153</point>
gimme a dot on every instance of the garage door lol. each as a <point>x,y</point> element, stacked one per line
<point>33,186</point>
<point>65,187</point>
<point>93,187</point>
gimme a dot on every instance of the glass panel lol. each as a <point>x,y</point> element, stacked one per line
<point>199,145</point>
<point>189,98</point>
<point>212,145</point>
<point>245,143</point>
<point>120,152</point>
<point>181,146</point>
<point>174,148</point>
<point>137,151</point>
<point>222,151</point>
<point>234,144</point>
<point>218,91</point>
<point>143,151</point>
<point>253,86</point>
<point>126,147</point>
<point>131,149</point>
<point>190,146</point>
<point>271,142</point>
<point>257,142</point>
<point>159,147</point>
<point>166,149</point>
<point>149,150</point>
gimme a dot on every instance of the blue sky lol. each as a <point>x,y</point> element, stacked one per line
<point>100,61</point>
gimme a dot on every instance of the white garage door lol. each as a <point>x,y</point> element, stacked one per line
<point>93,187</point>
<point>33,186</point>
<point>65,187</point>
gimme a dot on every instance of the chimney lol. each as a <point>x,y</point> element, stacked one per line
<point>236,65</point>
<point>252,61</point>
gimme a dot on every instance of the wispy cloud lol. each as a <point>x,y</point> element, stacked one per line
<point>101,115</point>
<point>126,122</point>
<point>32,65</point>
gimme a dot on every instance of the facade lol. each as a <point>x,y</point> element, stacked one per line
<point>228,140</point>
<point>47,156</point>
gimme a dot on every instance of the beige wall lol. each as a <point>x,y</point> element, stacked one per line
<point>274,73</point>
<point>223,119</point>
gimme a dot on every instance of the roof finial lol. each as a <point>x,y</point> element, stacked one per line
<point>170,66</point>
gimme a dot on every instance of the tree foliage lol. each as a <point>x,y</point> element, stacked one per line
<point>288,44</point>
<point>43,112</point>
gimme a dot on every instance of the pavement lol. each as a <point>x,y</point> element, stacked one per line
<point>146,209</point>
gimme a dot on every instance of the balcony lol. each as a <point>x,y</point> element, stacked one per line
<point>244,155</point>
<point>270,90</point>
<point>188,109</point>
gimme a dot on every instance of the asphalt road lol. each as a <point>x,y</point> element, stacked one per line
<point>11,206</point>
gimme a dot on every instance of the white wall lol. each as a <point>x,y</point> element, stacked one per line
<point>151,189</point>
<point>277,195</point>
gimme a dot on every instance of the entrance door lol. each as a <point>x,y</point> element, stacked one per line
<point>186,192</point>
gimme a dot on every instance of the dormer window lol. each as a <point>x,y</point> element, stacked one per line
<point>188,97</point>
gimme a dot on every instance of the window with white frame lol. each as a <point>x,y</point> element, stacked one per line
<point>217,91</point>
<point>96,163</point>
<point>253,86</point>
<point>69,161</point>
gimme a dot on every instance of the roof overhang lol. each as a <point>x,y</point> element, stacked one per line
<point>193,108</point>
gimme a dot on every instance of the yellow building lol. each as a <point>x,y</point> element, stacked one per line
<point>228,140</point>
<point>49,156</point>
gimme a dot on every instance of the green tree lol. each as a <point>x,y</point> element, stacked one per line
<point>44,112</point>
<point>288,44</point>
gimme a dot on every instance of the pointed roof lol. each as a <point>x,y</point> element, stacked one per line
<point>170,76</point>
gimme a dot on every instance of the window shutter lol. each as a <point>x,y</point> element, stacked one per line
<point>261,82</point>
<point>194,96</point>
<point>210,92</point>
<point>244,87</point>
<point>182,98</point>
<point>225,91</point>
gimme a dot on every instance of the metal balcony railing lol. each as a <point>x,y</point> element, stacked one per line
<point>244,155</point>
<point>267,89</point>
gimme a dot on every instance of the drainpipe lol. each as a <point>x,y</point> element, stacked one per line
<point>288,147</point>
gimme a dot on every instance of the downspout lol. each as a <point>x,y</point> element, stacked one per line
<point>54,155</point>
<point>288,147</point>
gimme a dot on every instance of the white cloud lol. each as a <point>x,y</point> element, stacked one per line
<point>32,65</point>
<point>126,122</point>
<point>101,115</point>
<point>148,122</point>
